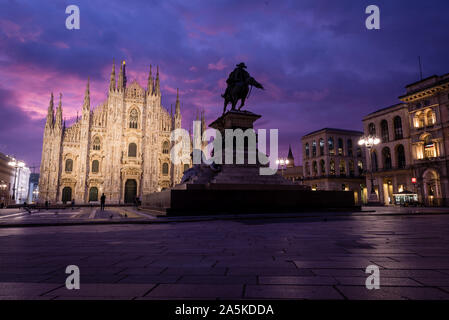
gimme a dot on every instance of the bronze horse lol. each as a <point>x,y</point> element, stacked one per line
<point>240,92</point>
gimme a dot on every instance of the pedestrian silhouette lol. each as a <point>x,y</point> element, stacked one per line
<point>103,201</point>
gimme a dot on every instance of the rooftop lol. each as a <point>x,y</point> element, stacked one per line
<point>346,131</point>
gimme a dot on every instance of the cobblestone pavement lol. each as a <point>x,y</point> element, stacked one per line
<point>297,258</point>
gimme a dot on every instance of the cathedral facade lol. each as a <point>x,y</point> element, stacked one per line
<point>120,148</point>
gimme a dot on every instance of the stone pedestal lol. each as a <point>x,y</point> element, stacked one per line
<point>240,188</point>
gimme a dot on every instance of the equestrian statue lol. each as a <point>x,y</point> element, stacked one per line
<point>238,82</point>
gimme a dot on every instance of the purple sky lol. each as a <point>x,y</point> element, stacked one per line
<point>319,64</point>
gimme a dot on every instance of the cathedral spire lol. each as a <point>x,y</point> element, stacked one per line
<point>112,82</point>
<point>50,113</point>
<point>86,104</point>
<point>121,85</point>
<point>177,105</point>
<point>150,83</point>
<point>203,122</point>
<point>158,86</point>
<point>291,160</point>
<point>58,120</point>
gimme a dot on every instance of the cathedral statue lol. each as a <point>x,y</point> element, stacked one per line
<point>239,82</point>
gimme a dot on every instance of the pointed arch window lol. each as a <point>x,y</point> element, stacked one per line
<point>133,119</point>
<point>69,165</point>
<point>165,147</point>
<point>95,166</point>
<point>96,144</point>
<point>132,150</point>
<point>165,168</point>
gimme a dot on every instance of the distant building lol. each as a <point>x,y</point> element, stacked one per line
<point>332,160</point>
<point>390,161</point>
<point>6,180</point>
<point>33,190</point>
<point>291,171</point>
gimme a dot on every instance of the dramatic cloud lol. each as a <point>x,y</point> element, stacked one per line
<point>319,64</point>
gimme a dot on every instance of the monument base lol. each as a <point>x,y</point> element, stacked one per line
<point>240,188</point>
<point>213,199</point>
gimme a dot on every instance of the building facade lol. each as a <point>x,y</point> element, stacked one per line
<point>412,157</point>
<point>332,160</point>
<point>120,148</point>
<point>390,162</point>
<point>6,180</point>
<point>428,107</point>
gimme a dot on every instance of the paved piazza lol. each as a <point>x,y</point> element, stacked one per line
<point>284,258</point>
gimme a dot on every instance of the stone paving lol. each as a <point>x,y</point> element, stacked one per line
<point>290,258</point>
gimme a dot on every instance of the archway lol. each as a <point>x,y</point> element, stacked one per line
<point>93,194</point>
<point>130,191</point>
<point>431,186</point>
<point>66,194</point>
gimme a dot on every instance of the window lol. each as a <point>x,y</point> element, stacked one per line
<point>342,168</point>
<point>384,130</point>
<point>95,166</point>
<point>314,149</point>
<point>322,167</point>
<point>69,165</point>
<point>307,150</point>
<point>330,143</point>
<point>374,163</point>
<point>372,129</point>
<point>429,147</point>
<point>165,168</point>
<point>386,155</point>
<point>133,119</point>
<point>165,147</point>
<point>430,118</point>
<point>96,144</point>
<point>349,144</point>
<point>314,168</point>
<point>400,153</point>
<point>397,122</point>
<point>132,150</point>
<point>321,147</point>
<point>359,152</point>
<point>351,168</point>
<point>421,120</point>
<point>332,167</point>
<point>340,147</point>
<point>360,167</point>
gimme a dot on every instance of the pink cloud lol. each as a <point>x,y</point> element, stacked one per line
<point>219,65</point>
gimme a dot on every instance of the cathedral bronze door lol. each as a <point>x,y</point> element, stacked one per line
<point>93,194</point>
<point>66,194</point>
<point>130,191</point>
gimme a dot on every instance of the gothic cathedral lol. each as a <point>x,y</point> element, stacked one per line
<point>120,148</point>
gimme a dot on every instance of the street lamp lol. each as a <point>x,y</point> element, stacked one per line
<point>283,162</point>
<point>17,165</point>
<point>369,142</point>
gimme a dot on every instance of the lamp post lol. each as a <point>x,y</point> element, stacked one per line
<point>283,163</point>
<point>17,165</point>
<point>369,142</point>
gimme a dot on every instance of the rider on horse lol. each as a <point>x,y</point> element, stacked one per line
<point>238,82</point>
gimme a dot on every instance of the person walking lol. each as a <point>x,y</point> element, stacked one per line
<point>103,201</point>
